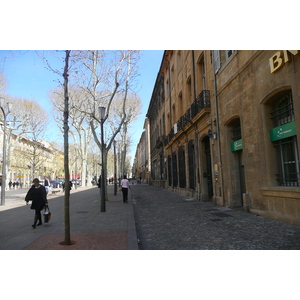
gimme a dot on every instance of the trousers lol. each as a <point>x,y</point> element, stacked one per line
<point>37,217</point>
<point>125,194</point>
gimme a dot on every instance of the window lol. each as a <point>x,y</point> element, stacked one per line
<point>229,53</point>
<point>170,170</point>
<point>191,158</point>
<point>236,130</point>
<point>286,148</point>
<point>174,166</point>
<point>179,61</point>
<point>288,162</point>
<point>181,162</point>
<point>201,83</point>
<point>216,60</point>
<point>283,111</point>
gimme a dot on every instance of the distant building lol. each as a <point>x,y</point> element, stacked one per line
<point>27,159</point>
<point>142,165</point>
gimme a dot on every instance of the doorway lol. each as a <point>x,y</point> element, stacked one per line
<point>207,174</point>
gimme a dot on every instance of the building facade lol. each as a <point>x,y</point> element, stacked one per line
<point>141,169</point>
<point>223,128</point>
<point>28,159</point>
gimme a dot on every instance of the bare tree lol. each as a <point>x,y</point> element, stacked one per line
<point>106,76</point>
<point>66,149</point>
<point>26,119</point>
<point>79,129</point>
<point>3,84</point>
<point>132,111</point>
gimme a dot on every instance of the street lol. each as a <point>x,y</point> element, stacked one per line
<point>169,221</point>
<point>164,220</point>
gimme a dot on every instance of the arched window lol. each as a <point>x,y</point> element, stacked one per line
<point>284,139</point>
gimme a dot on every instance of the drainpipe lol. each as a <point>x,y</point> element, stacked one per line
<point>218,135</point>
<point>170,115</point>
<point>196,135</point>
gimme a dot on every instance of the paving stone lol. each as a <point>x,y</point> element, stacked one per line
<point>166,220</point>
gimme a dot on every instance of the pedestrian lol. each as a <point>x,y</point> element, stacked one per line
<point>125,187</point>
<point>46,184</point>
<point>37,194</point>
<point>10,184</point>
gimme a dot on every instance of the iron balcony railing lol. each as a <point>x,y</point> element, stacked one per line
<point>202,101</point>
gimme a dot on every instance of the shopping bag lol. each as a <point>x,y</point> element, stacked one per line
<point>47,214</point>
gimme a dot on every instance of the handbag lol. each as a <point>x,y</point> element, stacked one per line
<point>47,214</point>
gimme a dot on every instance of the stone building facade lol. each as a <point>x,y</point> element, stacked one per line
<point>223,128</point>
<point>142,165</point>
<point>28,159</point>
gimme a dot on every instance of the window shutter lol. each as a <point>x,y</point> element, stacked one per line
<point>216,60</point>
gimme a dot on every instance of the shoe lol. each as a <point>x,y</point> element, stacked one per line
<point>33,226</point>
<point>39,224</point>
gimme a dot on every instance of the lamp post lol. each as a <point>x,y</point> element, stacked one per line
<point>2,102</point>
<point>115,169</point>
<point>102,115</point>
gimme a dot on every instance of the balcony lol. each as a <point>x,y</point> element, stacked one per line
<point>160,141</point>
<point>201,102</point>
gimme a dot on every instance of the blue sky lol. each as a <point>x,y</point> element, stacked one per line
<point>27,77</point>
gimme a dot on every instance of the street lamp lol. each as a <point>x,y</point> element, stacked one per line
<point>102,115</point>
<point>115,169</point>
<point>3,184</point>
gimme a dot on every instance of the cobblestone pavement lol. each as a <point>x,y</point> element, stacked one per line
<point>166,220</point>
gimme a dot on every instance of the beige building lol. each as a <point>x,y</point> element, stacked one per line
<point>142,165</point>
<point>223,128</point>
<point>28,159</point>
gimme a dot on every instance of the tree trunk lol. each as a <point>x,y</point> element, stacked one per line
<point>66,150</point>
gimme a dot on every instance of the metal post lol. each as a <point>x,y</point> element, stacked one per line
<point>102,172</point>
<point>115,170</point>
<point>3,184</point>
<point>103,183</point>
<point>3,163</point>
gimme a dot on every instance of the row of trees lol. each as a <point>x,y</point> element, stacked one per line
<point>90,79</point>
<point>96,78</point>
<point>99,78</point>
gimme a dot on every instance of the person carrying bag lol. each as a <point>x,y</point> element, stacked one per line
<point>37,194</point>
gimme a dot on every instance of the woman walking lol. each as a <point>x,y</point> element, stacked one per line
<point>37,194</point>
<point>125,187</point>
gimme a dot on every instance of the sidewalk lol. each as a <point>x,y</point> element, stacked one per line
<point>90,228</point>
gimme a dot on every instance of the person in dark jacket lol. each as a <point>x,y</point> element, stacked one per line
<point>37,194</point>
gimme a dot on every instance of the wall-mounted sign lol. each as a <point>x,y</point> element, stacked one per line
<point>237,145</point>
<point>283,131</point>
<point>280,58</point>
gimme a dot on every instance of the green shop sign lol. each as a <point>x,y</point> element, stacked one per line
<point>282,132</point>
<point>237,145</point>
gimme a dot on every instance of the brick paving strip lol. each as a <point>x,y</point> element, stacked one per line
<point>82,241</point>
